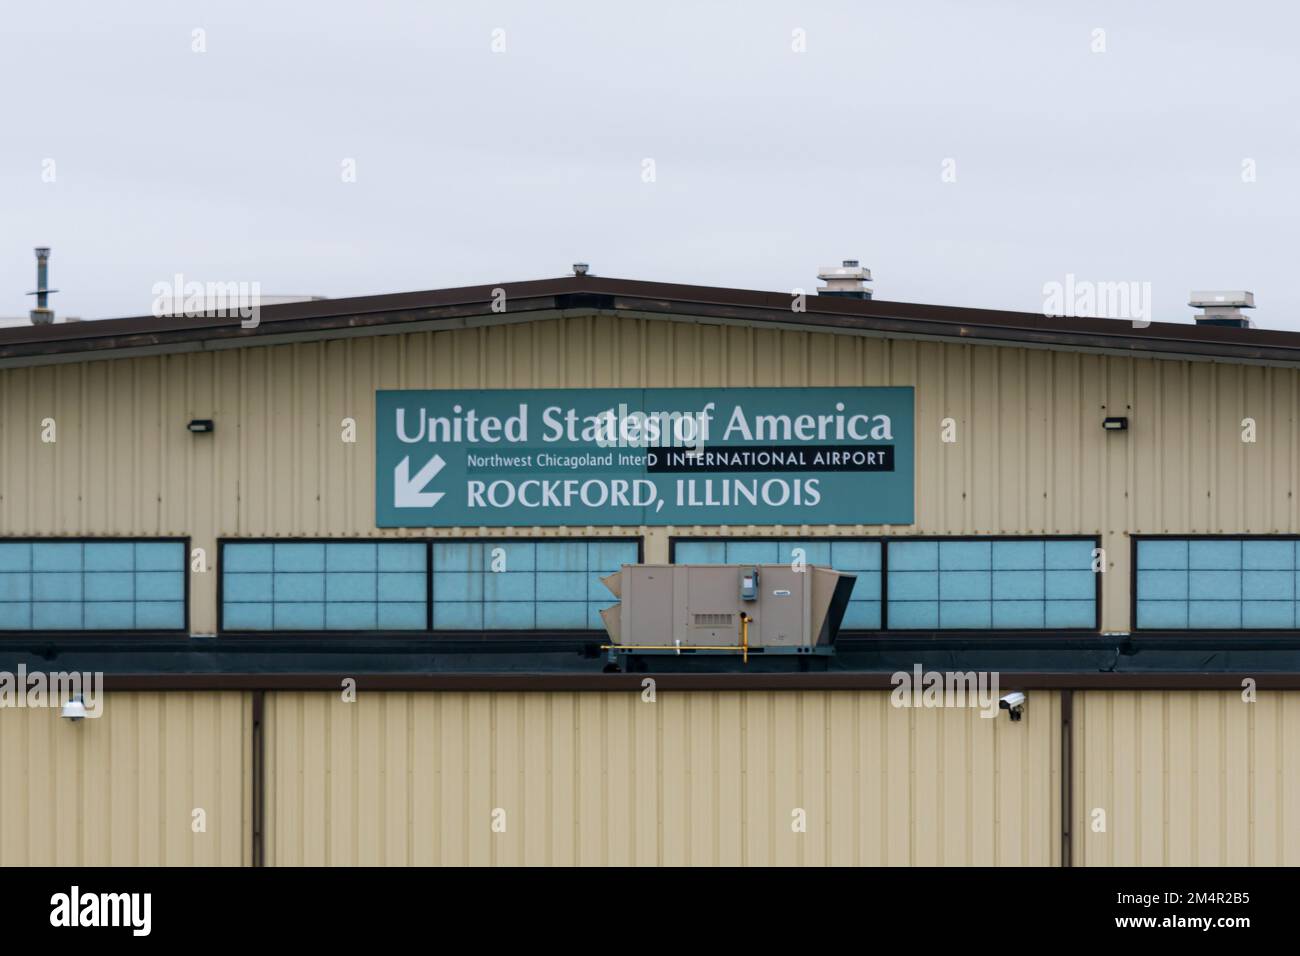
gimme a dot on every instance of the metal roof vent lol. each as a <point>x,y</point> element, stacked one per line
<point>846,281</point>
<point>1223,308</point>
<point>42,314</point>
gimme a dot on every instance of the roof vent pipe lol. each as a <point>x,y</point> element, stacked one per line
<point>846,281</point>
<point>42,314</point>
<point>1222,308</point>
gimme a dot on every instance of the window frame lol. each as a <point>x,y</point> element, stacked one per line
<point>1202,633</point>
<point>10,634</point>
<point>427,633</point>
<point>885,632</point>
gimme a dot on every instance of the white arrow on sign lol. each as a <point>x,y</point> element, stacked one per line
<point>409,492</point>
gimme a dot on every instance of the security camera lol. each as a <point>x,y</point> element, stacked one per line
<point>1013,704</point>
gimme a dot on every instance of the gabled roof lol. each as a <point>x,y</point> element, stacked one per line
<point>544,298</point>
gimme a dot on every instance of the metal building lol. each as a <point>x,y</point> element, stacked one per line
<point>340,566</point>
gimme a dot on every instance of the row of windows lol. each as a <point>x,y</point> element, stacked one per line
<point>494,585</point>
<point>1029,583</point>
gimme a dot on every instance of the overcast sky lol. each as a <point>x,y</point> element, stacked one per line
<point>474,166</point>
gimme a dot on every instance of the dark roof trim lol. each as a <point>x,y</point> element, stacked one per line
<point>684,682</point>
<point>386,313</point>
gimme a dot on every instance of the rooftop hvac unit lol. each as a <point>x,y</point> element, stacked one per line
<point>725,609</point>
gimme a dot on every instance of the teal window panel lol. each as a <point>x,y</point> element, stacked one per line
<point>855,555</point>
<point>458,616</point>
<point>352,615</point>
<point>299,587</point>
<point>1162,586</point>
<point>510,586</point>
<point>911,615</point>
<point>299,615</point>
<point>59,616</point>
<point>1214,555</point>
<point>965,586</point>
<point>1268,614</point>
<point>351,556</point>
<point>1020,585</point>
<point>912,586</point>
<point>1268,586</point>
<point>239,616</point>
<point>700,552</point>
<point>509,615</point>
<point>1070,585</point>
<point>160,615</point>
<point>562,555</point>
<point>299,557</point>
<point>1020,614</point>
<point>240,558</point>
<point>866,586</point>
<point>402,615</point>
<point>402,587</point>
<point>457,586</point>
<point>109,556</point>
<point>15,556</point>
<point>1162,555</point>
<point>608,556</point>
<point>1167,615</point>
<point>1213,614</point>
<point>109,615</point>
<point>241,588</point>
<point>109,586</point>
<point>1214,585</point>
<point>1018,555</point>
<point>158,585</point>
<point>561,586</point>
<point>58,586</point>
<point>965,614</point>
<point>1071,555</point>
<point>15,615</point>
<point>1070,614</point>
<point>1268,555</point>
<point>160,556</point>
<point>404,557</point>
<point>562,615</point>
<point>913,556</point>
<point>965,555</point>
<point>753,552</point>
<point>464,556</point>
<point>60,556</point>
<point>862,616</point>
<point>351,586</point>
<point>15,586</point>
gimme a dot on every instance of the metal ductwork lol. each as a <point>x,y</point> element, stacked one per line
<point>725,609</point>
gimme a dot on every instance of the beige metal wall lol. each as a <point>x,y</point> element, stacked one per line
<point>1031,456</point>
<point>692,778</point>
<point>121,789</point>
<point>1186,779</point>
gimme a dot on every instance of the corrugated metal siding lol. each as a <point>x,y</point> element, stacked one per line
<point>1031,456</point>
<point>693,778</point>
<point>120,790</point>
<point>1187,778</point>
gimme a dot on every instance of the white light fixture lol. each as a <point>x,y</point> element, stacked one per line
<point>74,709</point>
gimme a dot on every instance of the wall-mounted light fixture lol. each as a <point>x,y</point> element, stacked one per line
<point>201,425</point>
<point>74,709</point>
<point>1115,424</point>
